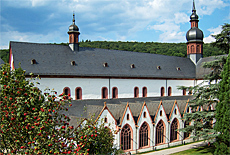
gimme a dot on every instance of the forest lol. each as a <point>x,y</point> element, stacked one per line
<point>171,49</point>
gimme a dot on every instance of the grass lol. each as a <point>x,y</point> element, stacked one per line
<point>197,151</point>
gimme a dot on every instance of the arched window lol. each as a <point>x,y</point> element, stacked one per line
<point>184,91</point>
<point>161,113</point>
<point>162,91</point>
<point>198,49</point>
<point>144,135</point>
<point>186,134</point>
<point>127,116</point>
<point>144,92</point>
<point>192,49</point>
<point>174,127</point>
<point>169,91</point>
<point>126,137</point>
<point>104,93</point>
<point>160,129</point>
<point>66,91</point>
<point>136,92</point>
<point>78,93</point>
<point>114,92</point>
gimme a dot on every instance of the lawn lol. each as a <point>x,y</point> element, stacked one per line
<point>197,151</point>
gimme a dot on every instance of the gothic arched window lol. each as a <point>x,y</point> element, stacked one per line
<point>174,127</point>
<point>126,137</point>
<point>160,129</point>
<point>144,135</point>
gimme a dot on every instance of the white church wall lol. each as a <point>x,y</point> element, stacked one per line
<point>131,123</point>
<point>164,119</point>
<point>92,87</point>
<point>126,87</point>
<point>148,120</point>
<point>110,124</point>
<point>175,83</point>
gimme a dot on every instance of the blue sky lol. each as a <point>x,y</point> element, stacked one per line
<point>47,21</point>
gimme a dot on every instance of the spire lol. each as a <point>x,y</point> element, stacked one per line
<point>73,18</point>
<point>193,7</point>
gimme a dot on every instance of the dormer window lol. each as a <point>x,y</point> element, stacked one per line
<point>178,68</point>
<point>132,66</point>
<point>73,63</point>
<point>105,64</point>
<point>158,67</point>
<point>33,61</point>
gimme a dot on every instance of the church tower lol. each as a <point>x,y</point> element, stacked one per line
<point>74,36</point>
<point>194,38</point>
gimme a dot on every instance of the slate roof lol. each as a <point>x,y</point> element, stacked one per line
<point>55,60</point>
<point>1,61</point>
<point>82,108</point>
<point>200,70</point>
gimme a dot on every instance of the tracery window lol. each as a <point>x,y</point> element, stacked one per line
<point>136,92</point>
<point>144,92</point>
<point>78,95</point>
<point>173,133</point>
<point>126,138</point>
<point>162,91</point>
<point>160,132</point>
<point>104,93</point>
<point>144,135</point>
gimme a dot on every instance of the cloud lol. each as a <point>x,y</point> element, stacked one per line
<point>213,31</point>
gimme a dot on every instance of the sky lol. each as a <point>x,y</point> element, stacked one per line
<point>47,21</point>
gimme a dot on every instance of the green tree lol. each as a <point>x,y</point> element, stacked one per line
<point>30,122</point>
<point>223,39</point>
<point>93,138</point>
<point>33,123</point>
<point>205,96</point>
<point>222,116</point>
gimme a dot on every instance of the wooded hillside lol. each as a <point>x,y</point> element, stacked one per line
<point>172,49</point>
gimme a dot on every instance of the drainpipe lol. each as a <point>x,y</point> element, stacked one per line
<point>109,88</point>
<point>136,140</point>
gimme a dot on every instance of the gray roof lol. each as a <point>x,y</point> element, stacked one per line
<point>87,108</point>
<point>1,61</point>
<point>56,60</point>
<point>200,70</point>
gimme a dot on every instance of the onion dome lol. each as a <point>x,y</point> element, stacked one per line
<point>73,27</point>
<point>194,34</point>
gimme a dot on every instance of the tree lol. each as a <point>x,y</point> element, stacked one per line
<point>223,39</point>
<point>93,138</point>
<point>222,116</point>
<point>205,98</point>
<point>33,123</point>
